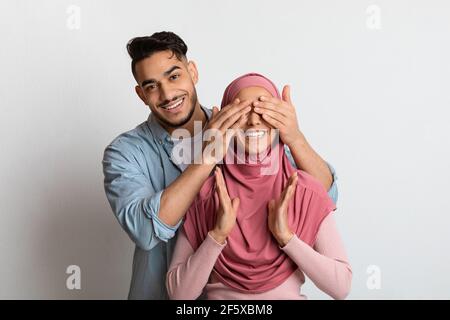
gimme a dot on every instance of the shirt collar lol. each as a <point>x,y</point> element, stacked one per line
<point>160,133</point>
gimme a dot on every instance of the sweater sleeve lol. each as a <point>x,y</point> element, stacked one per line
<point>326,264</point>
<point>189,271</point>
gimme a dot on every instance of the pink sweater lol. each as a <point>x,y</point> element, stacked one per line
<point>326,265</point>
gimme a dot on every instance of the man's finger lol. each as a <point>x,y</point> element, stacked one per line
<point>280,108</point>
<point>215,111</point>
<point>227,112</point>
<point>234,102</point>
<point>286,94</point>
<point>228,123</point>
<point>273,114</point>
<point>242,120</point>
<point>271,99</point>
<point>272,121</point>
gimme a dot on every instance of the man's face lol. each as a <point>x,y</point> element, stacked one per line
<point>167,86</point>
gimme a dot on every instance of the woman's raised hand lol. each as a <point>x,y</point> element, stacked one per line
<point>226,214</point>
<point>277,218</point>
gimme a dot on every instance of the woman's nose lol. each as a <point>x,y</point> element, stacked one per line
<point>253,119</point>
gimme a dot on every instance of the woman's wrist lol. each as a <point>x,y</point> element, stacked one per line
<point>284,238</point>
<point>220,238</point>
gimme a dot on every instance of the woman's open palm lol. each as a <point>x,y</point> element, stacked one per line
<point>277,218</point>
<point>226,214</point>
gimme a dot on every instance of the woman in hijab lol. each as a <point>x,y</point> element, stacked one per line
<point>258,225</point>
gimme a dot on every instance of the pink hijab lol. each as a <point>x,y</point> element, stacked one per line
<point>252,261</point>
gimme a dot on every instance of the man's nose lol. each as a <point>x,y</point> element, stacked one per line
<point>166,94</point>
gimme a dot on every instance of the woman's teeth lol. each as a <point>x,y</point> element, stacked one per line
<point>176,104</point>
<point>258,134</point>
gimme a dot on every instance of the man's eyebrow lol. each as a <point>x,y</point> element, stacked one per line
<point>166,73</point>
<point>170,70</point>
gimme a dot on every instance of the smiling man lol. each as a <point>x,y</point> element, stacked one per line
<point>148,191</point>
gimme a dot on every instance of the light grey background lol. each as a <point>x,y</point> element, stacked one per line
<point>373,102</point>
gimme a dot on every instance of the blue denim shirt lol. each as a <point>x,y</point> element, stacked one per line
<point>137,167</point>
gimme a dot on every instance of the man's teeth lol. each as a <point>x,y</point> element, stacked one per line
<point>176,104</point>
<point>257,134</point>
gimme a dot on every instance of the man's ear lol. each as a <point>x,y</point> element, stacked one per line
<point>140,93</point>
<point>192,68</point>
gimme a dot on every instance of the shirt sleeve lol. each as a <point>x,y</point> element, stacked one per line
<point>326,264</point>
<point>189,271</point>
<point>333,191</point>
<point>133,199</point>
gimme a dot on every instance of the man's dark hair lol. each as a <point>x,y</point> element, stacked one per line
<point>140,48</point>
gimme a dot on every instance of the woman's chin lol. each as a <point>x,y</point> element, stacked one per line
<point>253,152</point>
<point>261,151</point>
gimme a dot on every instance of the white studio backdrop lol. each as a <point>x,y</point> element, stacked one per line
<point>370,81</point>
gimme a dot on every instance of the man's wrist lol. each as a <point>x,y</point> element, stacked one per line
<point>201,163</point>
<point>299,142</point>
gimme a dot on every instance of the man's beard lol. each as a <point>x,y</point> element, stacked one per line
<point>182,122</point>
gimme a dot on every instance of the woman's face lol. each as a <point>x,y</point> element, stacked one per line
<point>255,135</point>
